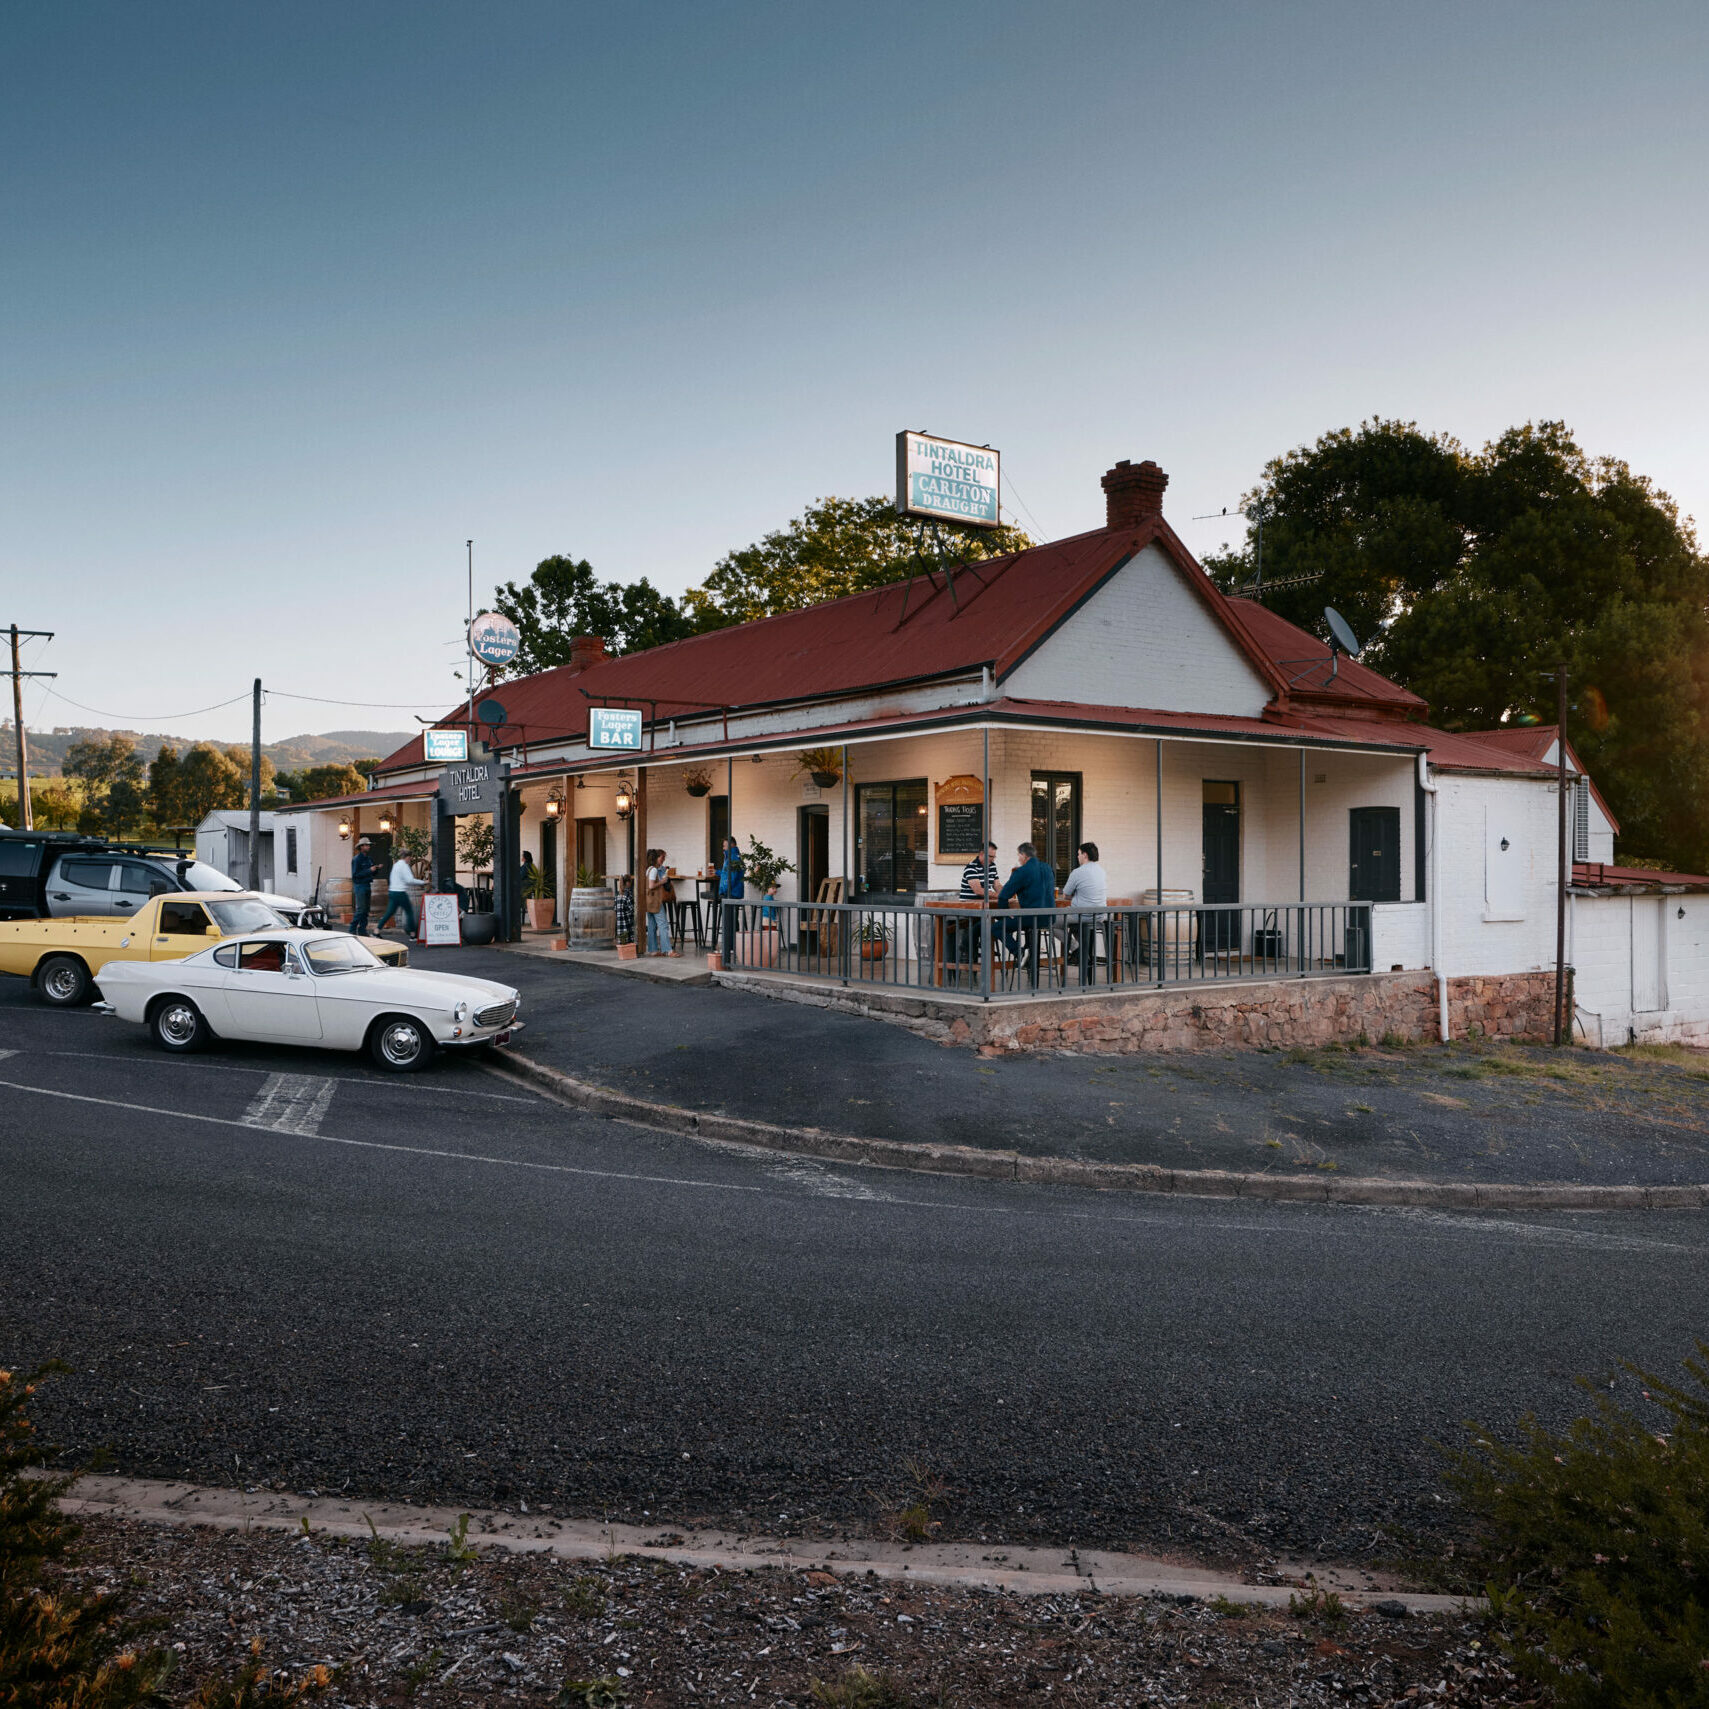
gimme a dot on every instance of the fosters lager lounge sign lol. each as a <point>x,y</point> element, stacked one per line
<point>948,481</point>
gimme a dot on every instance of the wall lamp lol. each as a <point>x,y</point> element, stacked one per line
<point>554,802</point>
<point>344,830</point>
<point>625,798</point>
<point>385,821</point>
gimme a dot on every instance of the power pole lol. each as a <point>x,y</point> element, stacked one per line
<point>255,795</point>
<point>26,820</point>
<point>1560,850</point>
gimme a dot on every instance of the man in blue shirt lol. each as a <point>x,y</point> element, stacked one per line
<point>361,878</point>
<point>1031,885</point>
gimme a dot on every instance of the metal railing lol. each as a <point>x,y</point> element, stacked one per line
<point>1045,951</point>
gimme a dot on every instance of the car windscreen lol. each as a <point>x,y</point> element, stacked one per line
<point>198,875</point>
<point>338,955</point>
<point>249,916</point>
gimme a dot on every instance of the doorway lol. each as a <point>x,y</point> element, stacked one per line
<point>717,829</point>
<point>1373,854</point>
<point>549,859</point>
<point>590,845</point>
<point>1221,810</point>
<point>813,850</point>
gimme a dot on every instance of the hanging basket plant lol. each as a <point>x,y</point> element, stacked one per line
<point>823,765</point>
<point>697,780</point>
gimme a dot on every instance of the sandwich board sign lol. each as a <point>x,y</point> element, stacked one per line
<point>439,923</point>
<point>947,481</point>
<point>614,727</point>
<point>447,746</point>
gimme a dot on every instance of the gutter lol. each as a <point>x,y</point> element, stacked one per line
<point>1426,783</point>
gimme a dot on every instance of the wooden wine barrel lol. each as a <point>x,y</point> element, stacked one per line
<point>335,896</point>
<point>592,919</point>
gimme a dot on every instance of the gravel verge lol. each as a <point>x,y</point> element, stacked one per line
<point>402,1626</point>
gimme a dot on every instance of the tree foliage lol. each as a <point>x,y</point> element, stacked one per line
<point>1470,575</point>
<point>184,789</point>
<point>317,782</point>
<point>114,798</point>
<point>563,598</point>
<point>837,546</point>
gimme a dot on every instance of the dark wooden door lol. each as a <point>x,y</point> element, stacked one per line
<point>590,845</point>
<point>549,854</point>
<point>813,851</point>
<point>1221,810</point>
<point>1373,860</point>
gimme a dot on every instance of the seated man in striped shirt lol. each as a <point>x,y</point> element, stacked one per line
<point>978,883</point>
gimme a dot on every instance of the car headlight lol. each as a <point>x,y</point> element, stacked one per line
<point>460,1014</point>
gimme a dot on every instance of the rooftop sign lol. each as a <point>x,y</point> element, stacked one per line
<point>447,744</point>
<point>948,481</point>
<point>614,727</point>
<point>493,638</point>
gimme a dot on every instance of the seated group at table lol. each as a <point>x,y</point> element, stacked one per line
<point>1032,884</point>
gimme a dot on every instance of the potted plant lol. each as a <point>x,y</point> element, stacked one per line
<point>697,780</point>
<point>764,870</point>
<point>415,845</point>
<point>873,936</point>
<point>538,892</point>
<point>475,851</point>
<point>823,765</point>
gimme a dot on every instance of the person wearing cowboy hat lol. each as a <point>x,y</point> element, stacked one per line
<point>361,877</point>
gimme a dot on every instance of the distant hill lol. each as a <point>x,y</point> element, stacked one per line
<point>48,748</point>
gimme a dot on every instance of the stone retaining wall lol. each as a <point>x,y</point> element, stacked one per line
<point>1261,1014</point>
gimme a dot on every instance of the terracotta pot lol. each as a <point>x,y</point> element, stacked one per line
<point>540,912</point>
<point>874,950</point>
<point>766,949</point>
<point>626,952</point>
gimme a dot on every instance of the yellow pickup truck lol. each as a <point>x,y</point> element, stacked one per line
<point>63,958</point>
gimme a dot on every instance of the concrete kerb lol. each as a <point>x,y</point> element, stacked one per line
<point>1029,1571</point>
<point>994,1165</point>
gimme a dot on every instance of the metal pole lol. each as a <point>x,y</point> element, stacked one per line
<point>1160,821</point>
<point>25,822</point>
<point>1302,824</point>
<point>255,794</point>
<point>985,833</point>
<point>1560,851</point>
<point>469,648</point>
<point>845,826</point>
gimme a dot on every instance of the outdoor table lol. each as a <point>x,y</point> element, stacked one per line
<point>940,912</point>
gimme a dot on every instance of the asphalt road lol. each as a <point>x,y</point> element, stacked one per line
<point>281,1266</point>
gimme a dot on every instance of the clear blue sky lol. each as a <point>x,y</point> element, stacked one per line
<point>296,298</point>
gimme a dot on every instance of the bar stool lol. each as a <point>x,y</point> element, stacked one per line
<point>683,909</point>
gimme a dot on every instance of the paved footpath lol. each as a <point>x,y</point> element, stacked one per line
<point>1458,1114</point>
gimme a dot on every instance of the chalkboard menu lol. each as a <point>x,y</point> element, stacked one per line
<point>961,827</point>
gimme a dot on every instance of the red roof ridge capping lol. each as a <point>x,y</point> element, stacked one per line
<point>1599,875</point>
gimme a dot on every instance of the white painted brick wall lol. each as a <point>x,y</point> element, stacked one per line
<point>1601,950</point>
<point>1471,943</point>
<point>1143,639</point>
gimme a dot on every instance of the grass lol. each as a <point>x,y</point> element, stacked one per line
<point>910,1518</point>
<point>1316,1603</point>
<point>859,1689</point>
<point>605,1692</point>
<point>585,1597</point>
<point>1229,1610</point>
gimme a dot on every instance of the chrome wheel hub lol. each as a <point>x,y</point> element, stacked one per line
<point>62,983</point>
<point>400,1042</point>
<point>177,1023</point>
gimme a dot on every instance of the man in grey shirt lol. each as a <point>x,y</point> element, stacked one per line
<point>1088,886</point>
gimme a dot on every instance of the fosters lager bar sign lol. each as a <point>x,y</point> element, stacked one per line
<point>948,481</point>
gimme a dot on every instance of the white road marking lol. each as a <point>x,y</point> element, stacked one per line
<point>5,1053</point>
<point>1309,1227</point>
<point>392,1082</point>
<point>291,1103</point>
<point>819,1181</point>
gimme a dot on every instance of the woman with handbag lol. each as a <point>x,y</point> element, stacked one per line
<point>658,904</point>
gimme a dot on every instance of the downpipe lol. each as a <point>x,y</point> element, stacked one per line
<point>1427,784</point>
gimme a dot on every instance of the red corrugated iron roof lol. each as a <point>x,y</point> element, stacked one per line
<point>1278,639</point>
<point>1600,875</point>
<point>1532,742</point>
<point>386,792</point>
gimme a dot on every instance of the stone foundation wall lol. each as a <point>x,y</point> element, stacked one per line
<point>1506,1006</point>
<point>1257,1015</point>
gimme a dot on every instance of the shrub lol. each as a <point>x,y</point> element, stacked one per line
<point>1595,1544</point>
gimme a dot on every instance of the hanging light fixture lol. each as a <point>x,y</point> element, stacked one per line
<point>344,830</point>
<point>385,821</point>
<point>625,798</point>
<point>554,801</point>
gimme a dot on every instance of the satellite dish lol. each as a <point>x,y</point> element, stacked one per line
<point>1342,637</point>
<point>490,712</point>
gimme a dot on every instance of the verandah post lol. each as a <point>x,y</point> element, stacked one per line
<point>985,835</point>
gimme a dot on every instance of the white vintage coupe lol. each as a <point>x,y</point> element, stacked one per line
<point>305,987</point>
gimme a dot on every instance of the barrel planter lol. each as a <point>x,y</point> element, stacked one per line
<point>336,898</point>
<point>592,919</point>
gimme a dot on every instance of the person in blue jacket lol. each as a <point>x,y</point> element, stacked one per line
<point>1031,885</point>
<point>730,891</point>
<point>361,878</point>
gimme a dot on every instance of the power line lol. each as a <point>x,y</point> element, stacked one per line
<point>1024,506</point>
<point>148,717</point>
<point>382,705</point>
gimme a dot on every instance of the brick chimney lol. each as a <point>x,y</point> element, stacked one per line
<point>1133,493</point>
<point>586,650</point>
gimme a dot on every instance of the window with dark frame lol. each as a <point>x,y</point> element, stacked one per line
<point>291,848</point>
<point>891,836</point>
<point>1056,820</point>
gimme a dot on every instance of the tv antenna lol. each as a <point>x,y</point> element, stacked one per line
<point>1341,640</point>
